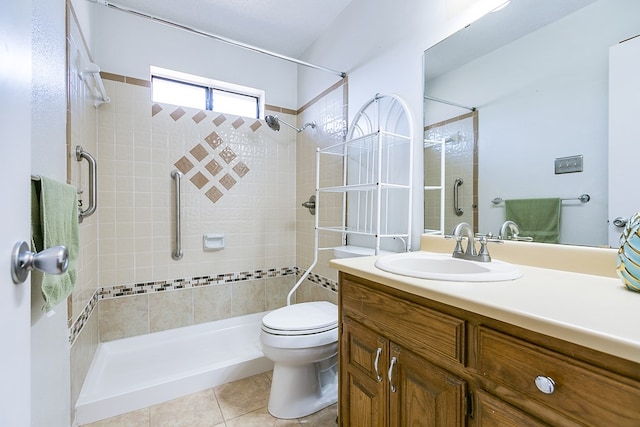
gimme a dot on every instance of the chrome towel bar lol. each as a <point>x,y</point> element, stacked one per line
<point>584,198</point>
<point>93,183</point>
<point>177,253</point>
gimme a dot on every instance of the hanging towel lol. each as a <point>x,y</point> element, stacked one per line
<point>54,222</point>
<point>537,218</point>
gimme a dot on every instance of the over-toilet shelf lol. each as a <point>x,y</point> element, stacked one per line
<point>377,163</point>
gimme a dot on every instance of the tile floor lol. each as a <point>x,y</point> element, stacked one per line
<point>241,403</point>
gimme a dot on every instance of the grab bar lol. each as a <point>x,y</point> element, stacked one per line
<point>93,183</point>
<point>456,203</point>
<point>177,253</point>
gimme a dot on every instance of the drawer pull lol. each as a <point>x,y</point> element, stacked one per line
<point>545,384</point>
<point>375,364</point>
<point>393,362</point>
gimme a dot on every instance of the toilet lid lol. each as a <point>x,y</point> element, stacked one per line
<point>303,318</point>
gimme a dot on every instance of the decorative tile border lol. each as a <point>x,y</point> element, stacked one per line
<point>326,283</point>
<point>192,282</point>
<point>77,326</point>
<point>187,283</point>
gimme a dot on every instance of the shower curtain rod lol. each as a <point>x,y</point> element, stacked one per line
<point>218,38</point>
<point>444,101</point>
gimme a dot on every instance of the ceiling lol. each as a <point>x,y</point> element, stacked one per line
<point>287,27</point>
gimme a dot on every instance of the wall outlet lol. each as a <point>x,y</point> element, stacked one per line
<point>568,164</point>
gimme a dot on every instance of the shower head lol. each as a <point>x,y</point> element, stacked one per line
<point>274,123</point>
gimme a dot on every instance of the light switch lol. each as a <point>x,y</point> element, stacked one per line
<point>568,164</point>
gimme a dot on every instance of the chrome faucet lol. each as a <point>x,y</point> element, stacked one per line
<point>506,227</point>
<point>464,230</point>
<point>510,226</point>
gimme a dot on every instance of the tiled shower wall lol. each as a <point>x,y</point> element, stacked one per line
<point>81,131</point>
<point>329,111</point>
<point>460,162</point>
<point>239,180</point>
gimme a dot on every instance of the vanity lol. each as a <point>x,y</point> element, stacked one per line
<point>553,347</point>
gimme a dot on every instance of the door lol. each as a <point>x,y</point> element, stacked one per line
<point>363,364</point>
<point>624,142</point>
<point>15,152</point>
<point>422,394</point>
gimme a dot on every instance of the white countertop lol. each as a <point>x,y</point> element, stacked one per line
<point>593,311</point>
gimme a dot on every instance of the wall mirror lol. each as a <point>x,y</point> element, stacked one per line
<point>507,96</point>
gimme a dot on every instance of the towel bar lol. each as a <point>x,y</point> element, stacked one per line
<point>584,198</point>
<point>93,183</point>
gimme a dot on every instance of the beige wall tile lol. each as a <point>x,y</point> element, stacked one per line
<point>123,317</point>
<point>170,309</point>
<point>276,291</point>
<point>82,352</point>
<point>248,297</point>
<point>211,303</point>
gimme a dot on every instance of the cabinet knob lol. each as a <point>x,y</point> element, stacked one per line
<point>545,384</point>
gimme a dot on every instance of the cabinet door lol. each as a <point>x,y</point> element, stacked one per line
<point>493,412</point>
<point>363,362</point>
<point>421,394</point>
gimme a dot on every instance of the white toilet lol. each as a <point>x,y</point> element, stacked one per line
<point>302,341</point>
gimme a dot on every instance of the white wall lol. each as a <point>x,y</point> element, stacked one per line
<point>50,372</point>
<point>127,45</point>
<point>379,43</point>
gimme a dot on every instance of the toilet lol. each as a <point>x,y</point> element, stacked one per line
<point>302,342</point>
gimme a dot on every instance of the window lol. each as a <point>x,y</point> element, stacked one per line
<point>172,87</point>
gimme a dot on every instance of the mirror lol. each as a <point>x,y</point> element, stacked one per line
<point>511,93</point>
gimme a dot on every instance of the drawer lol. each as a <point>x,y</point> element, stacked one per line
<point>493,412</point>
<point>578,388</point>
<point>427,332</point>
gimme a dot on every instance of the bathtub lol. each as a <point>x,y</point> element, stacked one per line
<point>137,372</point>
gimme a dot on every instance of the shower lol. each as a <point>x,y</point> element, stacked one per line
<point>274,123</point>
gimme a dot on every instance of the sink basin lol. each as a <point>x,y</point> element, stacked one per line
<point>435,266</point>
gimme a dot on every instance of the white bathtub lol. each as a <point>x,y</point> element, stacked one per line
<point>133,373</point>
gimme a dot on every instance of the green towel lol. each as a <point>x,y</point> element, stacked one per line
<point>54,222</point>
<point>537,218</point>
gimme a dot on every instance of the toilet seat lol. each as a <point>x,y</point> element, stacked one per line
<point>302,319</point>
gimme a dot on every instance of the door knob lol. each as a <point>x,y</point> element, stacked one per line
<point>54,260</point>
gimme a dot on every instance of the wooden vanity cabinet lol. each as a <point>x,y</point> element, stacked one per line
<point>410,361</point>
<point>384,384</point>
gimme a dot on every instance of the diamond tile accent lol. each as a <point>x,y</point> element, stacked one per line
<point>199,180</point>
<point>177,114</point>
<point>228,181</point>
<point>155,109</point>
<point>228,155</point>
<point>237,123</point>
<point>241,169</point>
<point>219,120</point>
<point>256,125</point>
<point>200,116</point>
<point>184,165</point>
<point>214,194</point>
<point>214,140</point>
<point>199,152</point>
<point>214,168</point>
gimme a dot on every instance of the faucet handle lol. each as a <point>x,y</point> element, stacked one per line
<point>458,239</point>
